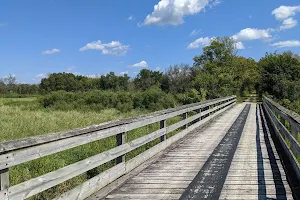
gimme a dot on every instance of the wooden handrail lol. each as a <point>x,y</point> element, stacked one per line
<point>291,114</point>
<point>15,152</point>
<point>287,128</point>
<point>47,138</point>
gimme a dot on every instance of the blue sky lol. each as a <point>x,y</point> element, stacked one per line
<point>93,37</point>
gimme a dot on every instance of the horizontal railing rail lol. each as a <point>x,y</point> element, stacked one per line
<point>20,151</point>
<point>286,124</point>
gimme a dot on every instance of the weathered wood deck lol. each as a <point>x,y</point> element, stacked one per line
<point>233,157</point>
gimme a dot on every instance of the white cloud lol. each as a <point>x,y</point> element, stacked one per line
<point>173,11</point>
<point>123,73</point>
<point>288,43</point>
<point>86,75</point>
<point>195,32</point>
<point>215,3</point>
<point>252,34</point>
<point>11,75</point>
<point>157,69</point>
<point>140,64</point>
<point>76,73</point>
<point>69,68</point>
<point>51,51</point>
<point>284,12</point>
<point>130,17</point>
<point>239,45</point>
<point>288,23</point>
<point>92,75</point>
<point>113,48</point>
<point>41,76</point>
<point>203,41</point>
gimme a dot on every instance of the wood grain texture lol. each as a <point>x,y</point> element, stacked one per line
<point>159,173</point>
<point>82,192</point>
<point>256,171</point>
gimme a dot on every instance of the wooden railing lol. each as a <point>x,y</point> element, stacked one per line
<point>287,128</point>
<point>15,152</point>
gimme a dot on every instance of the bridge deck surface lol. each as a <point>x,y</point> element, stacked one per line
<point>232,158</point>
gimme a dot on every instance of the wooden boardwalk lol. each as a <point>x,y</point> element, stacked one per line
<point>231,158</point>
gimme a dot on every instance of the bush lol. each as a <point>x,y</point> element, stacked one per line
<point>152,99</point>
<point>191,96</point>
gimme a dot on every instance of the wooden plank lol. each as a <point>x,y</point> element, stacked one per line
<point>149,191</point>
<point>94,184</point>
<point>39,184</point>
<point>59,177</point>
<point>160,174</point>
<point>144,196</point>
<point>248,177</point>
<point>145,155</point>
<point>241,196</point>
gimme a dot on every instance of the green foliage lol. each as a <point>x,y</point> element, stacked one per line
<point>191,96</point>
<point>220,72</point>
<point>73,83</point>
<point>178,79</point>
<point>147,79</point>
<point>280,77</point>
<point>151,99</point>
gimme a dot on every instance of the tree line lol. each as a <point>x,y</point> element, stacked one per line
<point>218,71</point>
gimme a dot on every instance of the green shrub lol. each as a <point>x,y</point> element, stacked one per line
<point>152,99</point>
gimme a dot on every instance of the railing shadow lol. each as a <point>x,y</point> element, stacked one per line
<point>279,186</point>
<point>262,191</point>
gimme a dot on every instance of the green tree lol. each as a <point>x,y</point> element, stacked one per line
<point>280,75</point>
<point>147,79</point>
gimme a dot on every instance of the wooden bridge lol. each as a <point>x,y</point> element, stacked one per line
<point>219,150</point>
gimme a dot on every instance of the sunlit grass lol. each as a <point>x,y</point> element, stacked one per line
<point>21,118</point>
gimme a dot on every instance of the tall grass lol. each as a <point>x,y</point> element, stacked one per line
<point>21,118</point>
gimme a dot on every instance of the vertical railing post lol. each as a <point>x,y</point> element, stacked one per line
<point>184,116</point>
<point>210,110</point>
<point>4,178</point>
<point>198,111</point>
<point>121,139</point>
<point>163,124</point>
<point>295,129</point>
<point>282,120</point>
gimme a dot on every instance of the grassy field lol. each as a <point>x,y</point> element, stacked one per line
<point>25,117</point>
